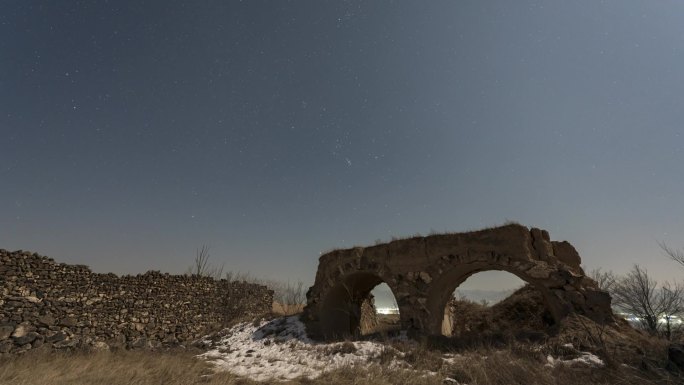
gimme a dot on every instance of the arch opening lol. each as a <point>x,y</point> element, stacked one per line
<point>386,311</point>
<point>488,301</point>
<point>349,308</point>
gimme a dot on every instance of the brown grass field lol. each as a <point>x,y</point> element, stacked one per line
<point>511,365</point>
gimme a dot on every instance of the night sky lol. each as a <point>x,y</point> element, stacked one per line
<point>134,132</point>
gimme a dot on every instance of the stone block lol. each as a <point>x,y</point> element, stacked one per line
<point>567,254</point>
<point>25,339</point>
<point>46,320</point>
<point>6,332</point>
<point>6,346</point>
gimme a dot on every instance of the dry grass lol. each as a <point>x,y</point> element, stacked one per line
<point>284,309</point>
<point>510,367</point>
<point>108,368</point>
<point>168,368</point>
<point>513,365</point>
<point>478,356</point>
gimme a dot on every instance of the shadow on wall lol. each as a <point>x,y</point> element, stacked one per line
<point>352,311</point>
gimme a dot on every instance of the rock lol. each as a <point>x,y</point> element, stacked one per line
<point>66,344</point>
<point>368,317</point>
<point>567,254</point>
<point>37,343</point>
<point>22,330</point>
<point>138,343</point>
<point>26,339</point>
<point>540,270</point>
<point>57,337</point>
<point>675,352</point>
<point>100,346</point>
<point>21,349</point>
<point>117,342</point>
<point>6,346</point>
<point>541,244</point>
<point>68,322</point>
<point>170,339</point>
<point>5,332</point>
<point>425,276</point>
<point>46,320</point>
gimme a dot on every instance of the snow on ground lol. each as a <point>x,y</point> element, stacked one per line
<point>585,358</point>
<point>280,350</point>
<point>582,358</point>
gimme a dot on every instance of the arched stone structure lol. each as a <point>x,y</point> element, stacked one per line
<point>424,271</point>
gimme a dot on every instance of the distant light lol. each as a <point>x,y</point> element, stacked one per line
<point>387,310</point>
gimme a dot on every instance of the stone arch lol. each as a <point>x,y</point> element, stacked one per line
<point>442,289</point>
<point>423,271</point>
<point>346,302</point>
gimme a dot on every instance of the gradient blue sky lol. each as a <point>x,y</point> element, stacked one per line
<point>134,132</point>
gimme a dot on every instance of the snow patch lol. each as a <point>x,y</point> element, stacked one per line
<point>280,350</point>
<point>583,358</point>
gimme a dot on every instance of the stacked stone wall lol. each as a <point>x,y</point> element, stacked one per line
<point>49,304</point>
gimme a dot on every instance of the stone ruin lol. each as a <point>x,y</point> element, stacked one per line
<point>55,305</point>
<point>423,272</point>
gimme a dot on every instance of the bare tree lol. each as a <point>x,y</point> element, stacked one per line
<point>295,294</point>
<point>640,296</point>
<point>291,297</point>
<point>675,255</point>
<point>672,298</point>
<point>604,279</point>
<point>201,260</point>
<point>202,267</point>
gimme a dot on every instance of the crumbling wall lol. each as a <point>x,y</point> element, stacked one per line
<point>67,306</point>
<point>423,272</point>
<point>369,318</point>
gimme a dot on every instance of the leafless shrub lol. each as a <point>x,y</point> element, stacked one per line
<point>201,266</point>
<point>201,260</point>
<point>639,295</point>
<point>595,334</point>
<point>604,279</point>
<point>291,296</point>
<point>232,276</point>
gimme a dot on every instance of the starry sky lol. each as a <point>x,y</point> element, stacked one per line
<point>134,132</point>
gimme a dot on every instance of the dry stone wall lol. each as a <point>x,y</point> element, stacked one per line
<point>45,303</point>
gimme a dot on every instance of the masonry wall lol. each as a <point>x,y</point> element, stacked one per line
<point>45,303</point>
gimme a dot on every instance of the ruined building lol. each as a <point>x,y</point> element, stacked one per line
<point>423,272</point>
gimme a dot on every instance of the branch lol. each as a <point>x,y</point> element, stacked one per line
<point>675,255</point>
